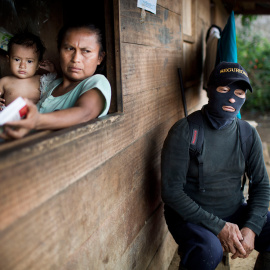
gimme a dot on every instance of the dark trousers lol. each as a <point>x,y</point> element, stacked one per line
<point>200,248</point>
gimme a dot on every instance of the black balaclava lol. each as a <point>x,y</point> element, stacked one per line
<point>233,76</point>
<point>214,112</point>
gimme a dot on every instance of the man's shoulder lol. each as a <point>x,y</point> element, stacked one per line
<point>250,124</point>
<point>196,116</point>
<point>180,125</point>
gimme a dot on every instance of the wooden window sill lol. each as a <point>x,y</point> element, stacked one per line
<point>42,141</point>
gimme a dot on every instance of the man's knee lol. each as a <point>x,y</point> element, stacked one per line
<point>263,261</point>
<point>199,248</point>
<point>205,255</point>
<point>262,242</point>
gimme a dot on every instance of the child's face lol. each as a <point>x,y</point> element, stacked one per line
<point>23,61</point>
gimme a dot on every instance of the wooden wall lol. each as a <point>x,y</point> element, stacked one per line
<point>88,197</point>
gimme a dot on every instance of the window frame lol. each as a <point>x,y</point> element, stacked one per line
<point>113,52</point>
<point>113,70</point>
<point>190,38</point>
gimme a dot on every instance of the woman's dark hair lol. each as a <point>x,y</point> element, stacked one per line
<point>27,39</point>
<point>209,29</point>
<point>92,28</point>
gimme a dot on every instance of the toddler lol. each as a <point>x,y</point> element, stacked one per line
<point>25,53</point>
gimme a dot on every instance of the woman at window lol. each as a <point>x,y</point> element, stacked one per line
<point>80,95</point>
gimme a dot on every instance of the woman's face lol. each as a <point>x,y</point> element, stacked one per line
<point>79,54</point>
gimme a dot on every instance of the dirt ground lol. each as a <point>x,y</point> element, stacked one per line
<point>262,122</point>
<point>237,264</point>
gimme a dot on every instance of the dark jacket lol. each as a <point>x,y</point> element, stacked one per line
<point>223,167</point>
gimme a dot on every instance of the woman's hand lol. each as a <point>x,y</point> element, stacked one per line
<point>48,66</point>
<point>18,129</point>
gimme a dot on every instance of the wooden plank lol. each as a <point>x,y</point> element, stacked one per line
<point>44,177</point>
<point>188,17</point>
<point>220,15</point>
<point>48,236</point>
<point>204,8</point>
<point>137,255</point>
<point>162,29</point>
<point>117,22</point>
<point>30,181</point>
<point>110,52</point>
<point>35,172</point>
<point>113,169</point>
<point>105,194</point>
<point>165,254</point>
<point>58,227</point>
<point>189,70</point>
<point>51,220</point>
<point>147,109</point>
<point>172,5</point>
<point>35,143</point>
<point>145,68</point>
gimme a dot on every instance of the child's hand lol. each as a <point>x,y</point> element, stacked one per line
<point>47,65</point>
<point>2,103</point>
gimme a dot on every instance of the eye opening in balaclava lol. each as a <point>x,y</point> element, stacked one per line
<point>222,108</point>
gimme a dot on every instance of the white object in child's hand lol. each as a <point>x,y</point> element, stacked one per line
<point>16,110</point>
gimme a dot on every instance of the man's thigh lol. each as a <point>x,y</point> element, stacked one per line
<point>199,248</point>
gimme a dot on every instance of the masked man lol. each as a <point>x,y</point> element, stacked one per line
<point>207,214</point>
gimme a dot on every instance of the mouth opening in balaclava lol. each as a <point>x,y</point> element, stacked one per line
<point>218,117</point>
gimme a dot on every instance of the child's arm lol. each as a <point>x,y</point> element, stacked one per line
<point>2,92</point>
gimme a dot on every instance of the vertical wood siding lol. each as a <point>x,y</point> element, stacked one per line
<point>89,197</point>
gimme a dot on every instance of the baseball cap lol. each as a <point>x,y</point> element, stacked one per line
<point>226,73</point>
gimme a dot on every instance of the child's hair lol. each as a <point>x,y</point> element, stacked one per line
<point>27,39</point>
<point>92,28</point>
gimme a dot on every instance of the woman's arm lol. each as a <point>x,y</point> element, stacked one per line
<point>87,107</point>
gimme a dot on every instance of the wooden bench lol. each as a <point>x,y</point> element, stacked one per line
<point>224,264</point>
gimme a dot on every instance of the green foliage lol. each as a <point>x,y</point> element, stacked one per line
<point>246,20</point>
<point>254,55</point>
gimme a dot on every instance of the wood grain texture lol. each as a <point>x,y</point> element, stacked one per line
<point>171,5</point>
<point>145,68</point>
<point>51,166</point>
<point>162,29</point>
<point>88,197</point>
<point>164,254</point>
<point>110,195</point>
